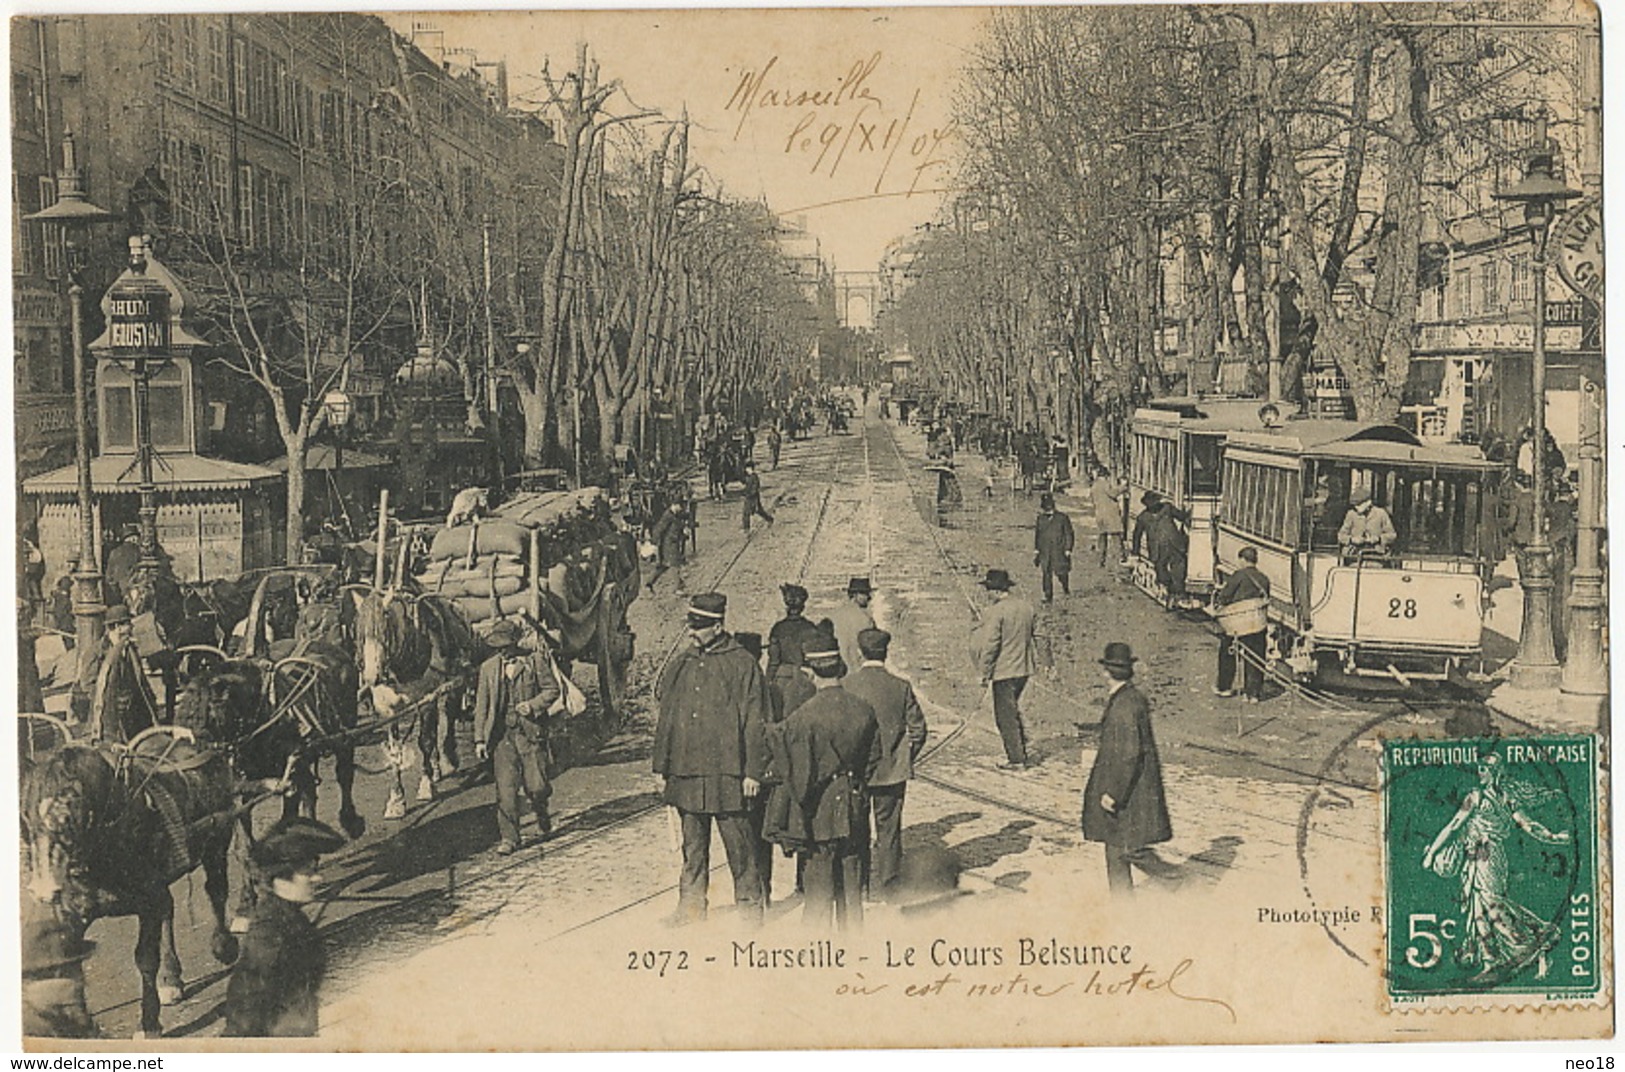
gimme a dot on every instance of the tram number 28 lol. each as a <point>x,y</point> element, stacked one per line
<point>1401,608</point>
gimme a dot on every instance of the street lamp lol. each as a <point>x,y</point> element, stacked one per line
<point>336,412</point>
<point>75,214</point>
<point>1540,193</point>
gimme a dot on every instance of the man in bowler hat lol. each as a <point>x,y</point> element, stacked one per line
<point>710,754</point>
<point>902,734</point>
<point>1123,803</point>
<point>852,617</point>
<point>280,967</point>
<point>1005,651</point>
<point>513,702</point>
<point>1052,547</point>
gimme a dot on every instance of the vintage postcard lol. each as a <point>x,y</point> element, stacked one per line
<point>927,527</point>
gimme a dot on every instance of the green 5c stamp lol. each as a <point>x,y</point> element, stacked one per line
<point>1491,859</point>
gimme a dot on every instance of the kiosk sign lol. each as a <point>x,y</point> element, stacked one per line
<point>1578,239</point>
<point>138,320</point>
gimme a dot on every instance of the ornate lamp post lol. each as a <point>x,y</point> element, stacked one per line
<point>1540,193</point>
<point>337,410</point>
<point>139,337</point>
<point>75,214</point>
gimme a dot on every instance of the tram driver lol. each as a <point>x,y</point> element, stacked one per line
<point>1368,531</point>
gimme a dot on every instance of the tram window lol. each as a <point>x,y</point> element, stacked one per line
<point>1204,464</point>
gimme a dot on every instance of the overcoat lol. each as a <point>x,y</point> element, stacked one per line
<point>713,714</point>
<point>829,749</point>
<point>901,723</point>
<point>671,536</point>
<point>1126,769</point>
<point>787,641</point>
<point>1052,539</point>
<point>1002,642</point>
<point>850,620</point>
<point>499,698</point>
<point>278,971</point>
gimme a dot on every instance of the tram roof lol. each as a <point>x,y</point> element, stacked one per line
<point>1354,441</point>
<point>1203,414</point>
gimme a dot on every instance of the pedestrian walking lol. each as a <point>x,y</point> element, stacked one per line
<point>670,536</point>
<point>1241,605</point>
<point>1005,650</point>
<point>787,641</point>
<point>710,754</point>
<point>774,443</point>
<point>516,696</point>
<point>852,618</point>
<point>901,733</point>
<point>1108,494</point>
<point>753,499</point>
<point>1124,806</point>
<point>830,750</point>
<point>1052,547</point>
<point>279,968</point>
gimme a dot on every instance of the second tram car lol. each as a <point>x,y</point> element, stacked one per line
<point>1414,611</point>
<point>1177,444</point>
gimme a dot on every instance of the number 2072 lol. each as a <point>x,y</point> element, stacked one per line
<point>659,961</point>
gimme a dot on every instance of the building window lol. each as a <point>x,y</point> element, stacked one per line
<point>27,110</point>
<point>239,74</point>
<point>245,204</point>
<point>216,37</point>
<point>1523,282</point>
<point>1489,286</point>
<point>52,239</point>
<point>187,49</point>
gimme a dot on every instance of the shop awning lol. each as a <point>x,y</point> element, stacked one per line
<point>112,474</point>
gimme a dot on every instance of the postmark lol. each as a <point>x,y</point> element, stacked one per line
<point>1490,865</point>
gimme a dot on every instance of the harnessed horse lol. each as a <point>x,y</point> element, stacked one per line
<point>108,828</point>
<point>414,649</point>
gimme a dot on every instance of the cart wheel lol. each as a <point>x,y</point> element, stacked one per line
<point>615,644</point>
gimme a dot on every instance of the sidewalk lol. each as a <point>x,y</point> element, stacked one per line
<point>1550,708</point>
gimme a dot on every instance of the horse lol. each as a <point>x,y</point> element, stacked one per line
<point>275,719</point>
<point>108,828</point>
<point>413,648</point>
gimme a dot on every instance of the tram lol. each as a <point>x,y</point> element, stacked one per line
<point>1176,449</point>
<point>1415,611</point>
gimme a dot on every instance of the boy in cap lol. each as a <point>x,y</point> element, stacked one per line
<point>901,735</point>
<point>710,755</point>
<point>279,969</point>
<point>1123,803</point>
<point>515,697</point>
<point>1006,654</point>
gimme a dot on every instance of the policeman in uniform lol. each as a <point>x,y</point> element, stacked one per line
<point>279,969</point>
<point>710,755</point>
<point>516,694</point>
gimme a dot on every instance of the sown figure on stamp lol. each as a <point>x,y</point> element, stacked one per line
<point>1500,932</point>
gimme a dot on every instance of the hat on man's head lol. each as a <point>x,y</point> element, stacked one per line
<point>292,844</point>
<point>998,580</point>
<point>874,643</point>
<point>1360,495</point>
<point>707,609</point>
<point>794,595</point>
<point>504,634</point>
<point>117,614</point>
<point>1249,554</point>
<point>859,586</point>
<point>1119,655</point>
<point>1046,501</point>
<point>824,659</point>
<point>1150,500</point>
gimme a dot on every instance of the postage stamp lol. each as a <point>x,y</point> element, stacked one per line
<point>1491,867</point>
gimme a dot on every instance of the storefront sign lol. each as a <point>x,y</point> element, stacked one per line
<point>1577,249</point>
<point>138,317</point>
<point>1499,336</point>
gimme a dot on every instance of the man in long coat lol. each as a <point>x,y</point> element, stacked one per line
<point>670,535</point>
<point>1004,648</point>
<point>710,753</point>
<point>829,750</point>
<point>1123,803</point>
<point>852,618</point>
<point>901,735</point>
<point>513,702</point>
<point>1052,547</point>
<point>751,502</point>
<point>789,637</point>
